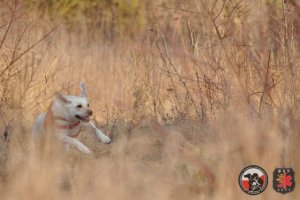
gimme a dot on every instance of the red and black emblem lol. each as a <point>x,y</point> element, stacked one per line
<point>283,180</point>
<point>253,180</point>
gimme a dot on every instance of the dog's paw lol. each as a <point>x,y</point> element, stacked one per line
<point>105,139</point>
<point>85,150</point>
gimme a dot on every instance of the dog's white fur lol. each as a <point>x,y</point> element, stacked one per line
<point>72,112</point>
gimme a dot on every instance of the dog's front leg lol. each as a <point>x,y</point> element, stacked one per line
<point>104,138</point>
<point>73,141</point>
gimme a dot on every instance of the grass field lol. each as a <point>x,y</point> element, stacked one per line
<point>190,92</point>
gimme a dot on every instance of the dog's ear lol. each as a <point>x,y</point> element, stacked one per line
<point>83,89</point>
<point>61,98</point>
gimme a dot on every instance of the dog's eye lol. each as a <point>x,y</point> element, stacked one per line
<point>88,105</point>
<point>79,106</point>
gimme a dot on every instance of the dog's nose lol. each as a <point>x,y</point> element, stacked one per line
<point>90,113</point>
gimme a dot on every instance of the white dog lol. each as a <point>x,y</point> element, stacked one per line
<point>65,117</point>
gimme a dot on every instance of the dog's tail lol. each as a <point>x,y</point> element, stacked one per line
<point>38,125</point>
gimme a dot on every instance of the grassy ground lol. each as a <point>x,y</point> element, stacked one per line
<point>201,92</point>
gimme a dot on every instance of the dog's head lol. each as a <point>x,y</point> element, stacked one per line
<point>249,176</point>
<point>255,181</point>
<point>77,107</point>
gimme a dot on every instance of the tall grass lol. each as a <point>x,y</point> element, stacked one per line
<point>199,91</point>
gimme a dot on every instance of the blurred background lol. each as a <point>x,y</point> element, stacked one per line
<point>190,91</point>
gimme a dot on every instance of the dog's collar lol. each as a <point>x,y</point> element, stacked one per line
<point>69,126</point>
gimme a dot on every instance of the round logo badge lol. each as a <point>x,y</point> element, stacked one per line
<point>253,180</point>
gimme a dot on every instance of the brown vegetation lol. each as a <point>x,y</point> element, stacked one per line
<point>191,95</point>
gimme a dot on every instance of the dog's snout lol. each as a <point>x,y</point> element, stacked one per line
<point>90,112</point>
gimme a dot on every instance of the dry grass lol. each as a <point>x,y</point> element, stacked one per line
<point>205,91</point>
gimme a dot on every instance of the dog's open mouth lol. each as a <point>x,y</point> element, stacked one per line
<point>82,118</point>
